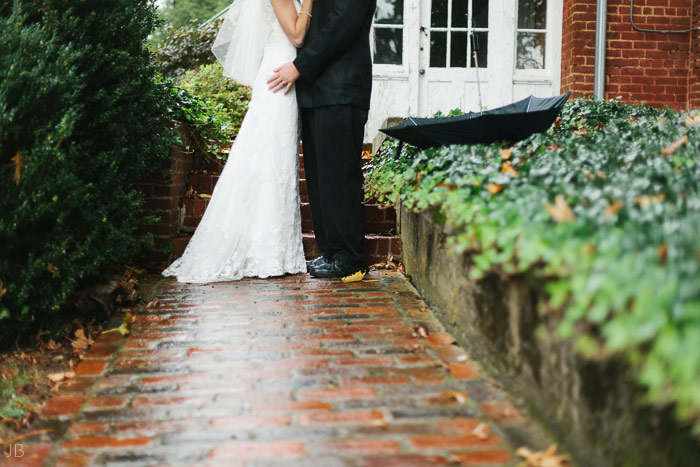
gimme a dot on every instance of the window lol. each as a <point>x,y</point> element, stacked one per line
<point>531,34</point>
<point>388,32</point>
<point>451,23</point>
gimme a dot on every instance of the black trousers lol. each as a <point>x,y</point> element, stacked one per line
<point>332,137</point>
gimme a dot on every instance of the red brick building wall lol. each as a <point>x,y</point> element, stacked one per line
<point>653,68</point>
<point>694,74</point>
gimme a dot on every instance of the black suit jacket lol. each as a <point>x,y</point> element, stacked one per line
<point>335,62</point>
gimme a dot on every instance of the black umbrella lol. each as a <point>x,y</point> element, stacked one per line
<point>513,123</point>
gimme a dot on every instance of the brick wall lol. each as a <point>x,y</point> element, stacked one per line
<point>163,191</point>
<point>578,47</point>
<point>640,67</point>
<point>694,73</point>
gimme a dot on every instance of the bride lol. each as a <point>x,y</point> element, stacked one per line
<point>252,226</point>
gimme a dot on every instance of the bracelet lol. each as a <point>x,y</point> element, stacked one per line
<point>305,13</point>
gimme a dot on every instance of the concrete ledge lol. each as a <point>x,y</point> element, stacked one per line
<point>592,407</point>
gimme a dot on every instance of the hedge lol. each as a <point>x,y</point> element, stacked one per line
<point>81,120</point>
<point>604,210</point>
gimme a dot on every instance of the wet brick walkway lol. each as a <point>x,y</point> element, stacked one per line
<point>282,372</point>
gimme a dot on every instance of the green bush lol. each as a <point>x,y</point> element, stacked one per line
<point>605,211</point>
<point>81,121</point>
<point>227,100</point>
<point>185,48</point>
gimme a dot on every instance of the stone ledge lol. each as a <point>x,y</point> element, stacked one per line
<point>592,407</point>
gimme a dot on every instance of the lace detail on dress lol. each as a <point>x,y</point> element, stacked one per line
<point>252,225</point>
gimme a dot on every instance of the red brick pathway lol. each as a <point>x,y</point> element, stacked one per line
<point>281,372</point>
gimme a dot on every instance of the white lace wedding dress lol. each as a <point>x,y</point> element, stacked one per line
<point>252,225</point>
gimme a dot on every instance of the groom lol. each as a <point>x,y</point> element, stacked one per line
<point>333,73</point>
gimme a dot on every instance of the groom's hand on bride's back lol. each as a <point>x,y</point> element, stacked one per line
<point>284,77</point>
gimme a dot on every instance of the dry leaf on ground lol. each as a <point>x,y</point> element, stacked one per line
<point>421,331</point>
<point>673,147</point>
<point>506,153</point>
<point>560,211</point>
<point>481,431</point>
<point>546,458</point>
<point>450,398</point>
<point>61,376</point>
<point>614,208</point>
<point>494,188</point>
<point>81,342</point>
<point>18,162</point>
<point>506,168</point>
<point>152,304</point>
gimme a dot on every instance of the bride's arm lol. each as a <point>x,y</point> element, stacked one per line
<point>294,25</point>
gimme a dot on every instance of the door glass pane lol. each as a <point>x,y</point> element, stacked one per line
<point>480,13</point>
<point>458,53</point>
<point>438,14</point>
<point>460,13</point>
<point>438,49</point>
<point>388,46</point>
<point>530,50</point>
<point>482,40</point>
<point>532,14</point>
<point>389,12</point>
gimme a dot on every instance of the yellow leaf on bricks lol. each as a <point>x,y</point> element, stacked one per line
<point>494,188</point>
<point>152,304</point>
<point>673,147</point>
<point>560,211</point>
<point>357,277</point>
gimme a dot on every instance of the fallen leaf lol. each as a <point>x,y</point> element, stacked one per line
<point>421,331</point>
<point>449,186</point>
<point>203,196</point>
<point>554,147</point>
<point>645,201</point>
<point>506,168</point>
<point>630,118</point>
<point>581,132</point>
<point>546,458</point>
<point>62,376</point>
<point>614,208</point>
<point>693,120</point>
<point>673,147</point>
<point>601,175</point>
<point>52,345</point>
<point>81,342</point>
<point>18,161</point>
<point>589,175</point>
<point>152,304</point>
<point>450,398</point>
<point>481,431</point>
<point>494,188</point>
<point>560,211</point>
<point>506,153</point>
<point>3,291</point>
<point>357,277</point>
<point>663,253</point>
<point>557,124</point>
<point>53,269</point>
<point>28,358</point>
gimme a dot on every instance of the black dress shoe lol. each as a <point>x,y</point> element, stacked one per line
<point>316,262</point>
<point>336,268</point>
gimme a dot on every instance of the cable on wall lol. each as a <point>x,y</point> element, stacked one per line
<point>636,28</point>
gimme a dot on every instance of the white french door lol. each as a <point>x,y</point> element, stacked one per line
<point>424,60</point>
